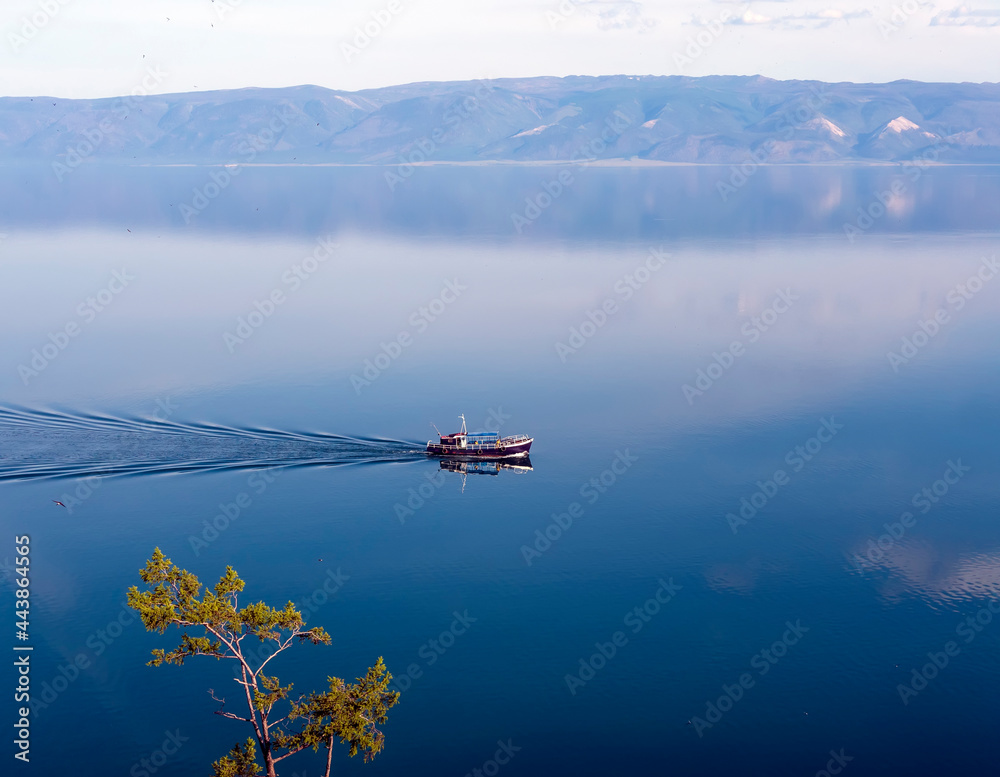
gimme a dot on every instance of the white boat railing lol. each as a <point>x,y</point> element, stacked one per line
<point>516,439</point>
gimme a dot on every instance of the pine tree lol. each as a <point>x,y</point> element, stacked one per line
<point>213,624</point>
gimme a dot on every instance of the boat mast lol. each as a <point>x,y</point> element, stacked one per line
<point>463,424</point>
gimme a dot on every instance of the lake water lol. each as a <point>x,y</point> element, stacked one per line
<point>737,406</point>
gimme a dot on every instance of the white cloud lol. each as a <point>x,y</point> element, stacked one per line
<point>751,17</point>
<point>810,19</point>
<point>964,16</point>
<point>614,14</point>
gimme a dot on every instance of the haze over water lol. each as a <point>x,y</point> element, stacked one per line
<point>286,351</point>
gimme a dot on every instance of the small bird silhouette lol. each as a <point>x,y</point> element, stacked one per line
<point>59,503</point>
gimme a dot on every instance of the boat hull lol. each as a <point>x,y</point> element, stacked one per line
<point>484,452</point>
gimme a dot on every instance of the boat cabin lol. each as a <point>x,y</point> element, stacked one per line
<point>465,441</point>
<point>471,441</point>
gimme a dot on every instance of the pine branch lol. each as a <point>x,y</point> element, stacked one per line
<point>221,711</point>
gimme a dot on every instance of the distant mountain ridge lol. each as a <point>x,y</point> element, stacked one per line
<point>711,119</point>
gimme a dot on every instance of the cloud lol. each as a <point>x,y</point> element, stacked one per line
<point>964,16</point>
<point>616,14</point>
<point>750,17</point>
<point>811,20</point>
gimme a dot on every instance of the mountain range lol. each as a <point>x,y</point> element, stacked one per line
<point>611,119</point>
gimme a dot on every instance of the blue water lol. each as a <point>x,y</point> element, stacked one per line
<point>151,421</point>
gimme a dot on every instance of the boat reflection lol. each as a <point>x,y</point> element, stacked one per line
<point>474,467</point>
<point>466,467</point>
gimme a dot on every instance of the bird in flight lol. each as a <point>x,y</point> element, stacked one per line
<point>59,503</point>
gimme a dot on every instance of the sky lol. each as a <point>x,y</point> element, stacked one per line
<point>103,48</point>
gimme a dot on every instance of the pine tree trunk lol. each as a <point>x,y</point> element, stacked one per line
<point>329,757</point>
<point>269,762</point>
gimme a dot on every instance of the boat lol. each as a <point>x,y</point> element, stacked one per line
<point>484,445</point>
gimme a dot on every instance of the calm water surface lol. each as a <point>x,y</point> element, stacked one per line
<point>733,431</point>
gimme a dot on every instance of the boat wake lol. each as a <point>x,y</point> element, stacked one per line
<point>51,444</point>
